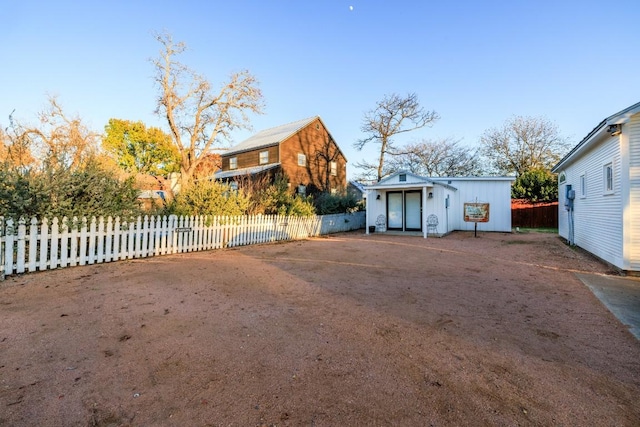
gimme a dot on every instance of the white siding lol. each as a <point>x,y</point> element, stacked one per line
<point>598,216</point>
<point>495,192</point>
<point>633,129</point>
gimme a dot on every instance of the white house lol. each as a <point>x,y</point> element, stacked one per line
<point>407,202</point>
<point>599,191</point>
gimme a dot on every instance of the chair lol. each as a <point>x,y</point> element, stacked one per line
<point>381,223</point>
<point>432,224</point>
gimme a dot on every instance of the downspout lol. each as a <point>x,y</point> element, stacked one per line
<point>446,209</point>
<point>366,211</point>
<point>423,218</point>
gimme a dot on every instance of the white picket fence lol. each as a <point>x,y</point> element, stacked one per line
<point>50,244</point>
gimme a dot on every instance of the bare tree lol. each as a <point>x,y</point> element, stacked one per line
<point>369,171</point>
<point>15,145</point>
<point>445,157</point>
<point>523,144</point>
<point>392,116</point>
<point>199,118</point>
<point>57,141</point>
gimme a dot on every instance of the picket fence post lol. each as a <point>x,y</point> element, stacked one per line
<point>55,237</point>
<point>8,248</point>
<point>44,240</point>
<point>33,244</point>
<point>64,243</point>
<point>22,231</point>
<point>92,241</point>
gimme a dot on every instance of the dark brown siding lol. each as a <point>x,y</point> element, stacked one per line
<point>316,144</point>
<point>250,158</point>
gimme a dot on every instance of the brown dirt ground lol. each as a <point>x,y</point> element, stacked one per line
<point>344,330</point>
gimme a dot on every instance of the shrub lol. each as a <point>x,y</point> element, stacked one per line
<point>209,198</point>
<point>327,203</point>
<point>276,198</point>
<point>87,191</point>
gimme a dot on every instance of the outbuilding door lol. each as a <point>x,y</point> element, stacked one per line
<point>404,210</point>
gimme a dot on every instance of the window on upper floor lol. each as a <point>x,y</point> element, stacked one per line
<point>302,160</point>
<point>608,178</point>
<point>233,163</point>
<point>334,168</point>
<point>402,177</point>
<point>264,157</point>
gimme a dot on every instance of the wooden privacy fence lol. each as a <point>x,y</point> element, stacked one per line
<point>535,216</point>
<point>49,244</point>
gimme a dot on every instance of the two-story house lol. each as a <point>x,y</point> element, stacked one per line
<point>304,151</point>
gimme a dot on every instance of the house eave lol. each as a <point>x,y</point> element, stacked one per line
<point>409,186</point>
<point>596,135</point>
<point>246,150</point>
<point>244,171</point>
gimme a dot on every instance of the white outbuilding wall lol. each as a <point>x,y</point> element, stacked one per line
<point>493,190</point>
<point>445,198</point>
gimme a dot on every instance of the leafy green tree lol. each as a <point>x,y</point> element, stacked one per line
<point>138,149</point>
<point>536,185</point>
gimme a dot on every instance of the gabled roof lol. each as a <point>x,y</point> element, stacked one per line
<point>413,180</point>
<point>414,177</point>
<point>244,171</point>
<point>270,137</point>
<point>620,117</point>
<point>359,185</point>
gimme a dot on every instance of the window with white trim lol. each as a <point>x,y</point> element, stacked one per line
<point>264,157</point>
<point>302,160</point>
<point>334,168</point>
<point>583,186</point>
<point>233,163</point>
<point>608,178</point>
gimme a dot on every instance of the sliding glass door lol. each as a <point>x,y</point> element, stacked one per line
<point>404,210</point>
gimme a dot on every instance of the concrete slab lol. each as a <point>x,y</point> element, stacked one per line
<point>621,295</point>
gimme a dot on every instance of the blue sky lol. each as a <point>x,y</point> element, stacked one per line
<point>476,63</point>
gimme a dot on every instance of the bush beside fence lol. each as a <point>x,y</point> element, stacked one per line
<point>28,246</point>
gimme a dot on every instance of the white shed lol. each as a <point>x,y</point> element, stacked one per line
<point>599,191</point>
<point>405,201</point>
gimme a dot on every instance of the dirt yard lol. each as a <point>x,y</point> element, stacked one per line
<point>344,330</point>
